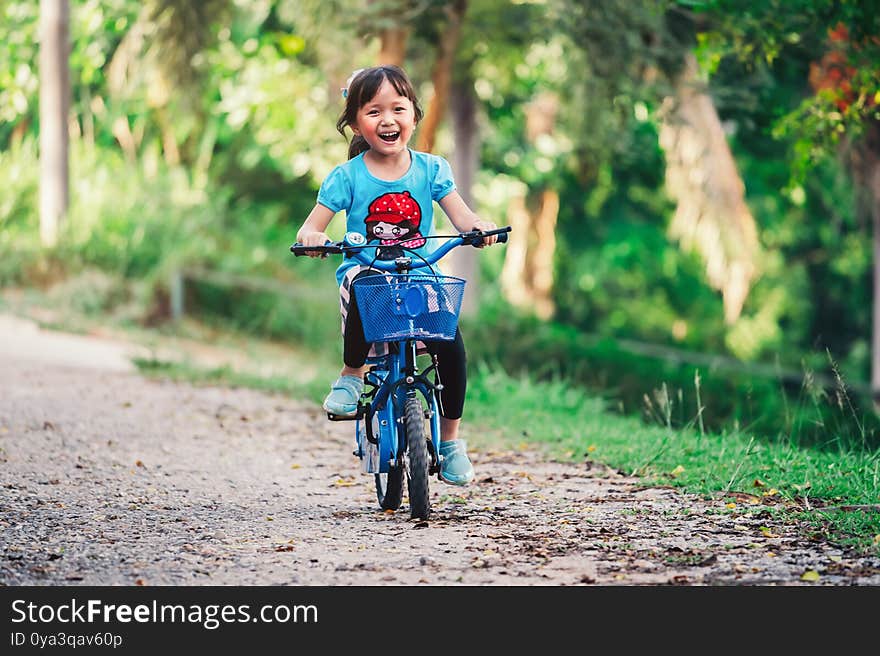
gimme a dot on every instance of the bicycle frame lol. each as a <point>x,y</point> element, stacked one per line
<point>393,378</point>
<point>386,413</point>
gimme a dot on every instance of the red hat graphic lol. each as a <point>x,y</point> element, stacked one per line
<point>395,208</point>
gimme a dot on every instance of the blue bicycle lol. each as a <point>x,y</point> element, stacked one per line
<point>405,303</point>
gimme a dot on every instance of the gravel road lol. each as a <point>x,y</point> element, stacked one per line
<point>110,478</point>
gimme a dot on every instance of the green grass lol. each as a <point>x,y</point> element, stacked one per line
<point>833,493</point>
<point>225,375</point>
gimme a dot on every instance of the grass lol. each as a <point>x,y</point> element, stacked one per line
<point>833,492</point>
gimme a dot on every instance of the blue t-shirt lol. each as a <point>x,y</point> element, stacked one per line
<point>387,212</point>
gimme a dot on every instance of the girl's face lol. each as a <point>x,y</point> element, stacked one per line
<point>387,121</point>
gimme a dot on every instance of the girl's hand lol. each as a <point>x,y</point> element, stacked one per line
<point>484,226</point>
<point>314,239</point>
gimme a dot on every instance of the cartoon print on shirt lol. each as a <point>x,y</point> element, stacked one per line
<point>394,218</point>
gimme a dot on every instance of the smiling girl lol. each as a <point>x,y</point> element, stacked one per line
<point>387,191</point>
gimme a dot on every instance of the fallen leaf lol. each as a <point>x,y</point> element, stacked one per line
<point>743,497</point>
<point>677,471</point>
<point>771,492</point>
<point>591,448</point>
<point>767,533</point>
<point>731,505</point>
<point>295,466</point>
<point>759,483</point>
<point>810,575</point>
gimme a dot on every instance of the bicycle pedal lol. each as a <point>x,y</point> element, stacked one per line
<point>333,417</point>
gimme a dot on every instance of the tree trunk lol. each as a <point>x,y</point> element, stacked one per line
<point>513,274</point>
<point>464,262</point>
<point>170,149</point>
<point>442,76</point>
<point>711,215</point>
<point>393,46</point>
<point>542,257</point>
<point>527,275</point>
<point>54,106</point>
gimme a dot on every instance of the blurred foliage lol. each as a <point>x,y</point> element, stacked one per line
<point>250,105</point>
<point>792,406</point>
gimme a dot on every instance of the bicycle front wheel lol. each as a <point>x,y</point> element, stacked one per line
<point>417,451</point>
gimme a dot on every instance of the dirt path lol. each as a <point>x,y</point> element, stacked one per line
<point>109,478</point>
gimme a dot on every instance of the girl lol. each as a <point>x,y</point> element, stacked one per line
<point>386,190</point>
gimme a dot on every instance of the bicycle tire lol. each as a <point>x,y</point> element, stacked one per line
<point>417,450</point>
<point>389,488</point>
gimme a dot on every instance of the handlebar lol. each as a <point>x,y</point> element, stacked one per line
<point>355,250</point>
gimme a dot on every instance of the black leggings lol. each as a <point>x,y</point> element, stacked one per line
<point>451,358</point>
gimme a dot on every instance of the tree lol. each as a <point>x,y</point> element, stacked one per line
<point>158,57</point>
<point>711,213</point>
<point>54,107</point>
<point>527,276</point>
<point>511,56</point>
<point>841,116</point>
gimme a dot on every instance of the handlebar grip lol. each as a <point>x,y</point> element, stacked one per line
<point>328,249</point>
<point>476,239</point>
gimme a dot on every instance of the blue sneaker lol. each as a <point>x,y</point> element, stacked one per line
<point>455,466</point>
<point>344,396</point>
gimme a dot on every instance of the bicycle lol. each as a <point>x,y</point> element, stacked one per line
<point>401,307</point>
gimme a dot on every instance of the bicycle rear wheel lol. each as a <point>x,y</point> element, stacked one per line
<point>417,450</point>
<point>389,488</point>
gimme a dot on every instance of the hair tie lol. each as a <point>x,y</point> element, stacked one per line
<point>349,81</point>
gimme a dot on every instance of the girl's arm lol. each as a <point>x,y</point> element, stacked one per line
<point>463,218</point>
<point>311,233</point>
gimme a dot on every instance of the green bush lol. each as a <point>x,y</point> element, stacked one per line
<point>663,387</point>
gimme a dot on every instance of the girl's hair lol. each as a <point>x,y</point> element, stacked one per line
<point>362,89</point>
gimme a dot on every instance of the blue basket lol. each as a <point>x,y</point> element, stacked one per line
<point>406,306</point>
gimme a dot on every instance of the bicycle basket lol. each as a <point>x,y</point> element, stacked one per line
<point>407,306</point>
